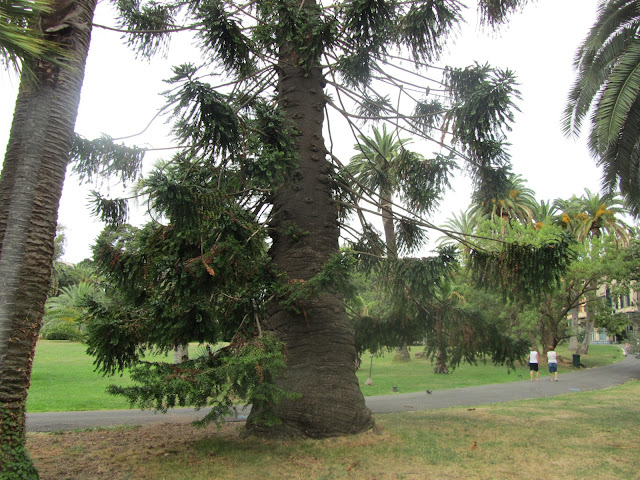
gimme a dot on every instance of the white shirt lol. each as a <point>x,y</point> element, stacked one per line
<point>533,357</point>
<point>552,357</point>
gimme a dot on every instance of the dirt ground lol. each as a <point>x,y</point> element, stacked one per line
<point>108,454</point>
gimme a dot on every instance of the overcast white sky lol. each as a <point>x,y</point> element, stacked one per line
<point>121,94</point>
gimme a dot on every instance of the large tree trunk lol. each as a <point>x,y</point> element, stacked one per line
<point>402,354</point>
<point>321,354</point>
<point>30,188</point>
<point>573,340</point>
<point>589,323</point>
<point>441,366</point>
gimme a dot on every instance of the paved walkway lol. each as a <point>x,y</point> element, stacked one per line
<point>577,381</point>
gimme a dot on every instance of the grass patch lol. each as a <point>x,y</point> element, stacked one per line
<point>573,437</point>
<point>417,375</point>
<point>64,379</point>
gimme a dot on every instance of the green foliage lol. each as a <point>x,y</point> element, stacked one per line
<point>397,317</point>
<point>111,211</point>
<point>632,257</point>
<point>369,23</point>
<point>607,87</point>
<point>14,459</point>
<point>516,203</point>
<point>304,30</point>
<point>496,12</point>
<point>242,371</point>
<point>484,108</point>
<point>373,107</point>
<point>102,157</point>
<point>414,299</point>
<point>523,270</point>
<point>592,214</point>
<point>426,27</point>
<point>149,24</point>
<point>294,232</point>
<point>61,330</point>
<point>335,276</point>
<point>205,117</point>
<point>429,113</point>
<point>65,312</point>
<point>19,38</point>
<point>222,34</point>
<point>383,169</point>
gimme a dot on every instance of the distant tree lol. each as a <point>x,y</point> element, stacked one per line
<point>544,213</point>
<point>385,169</point>
<point>592,215</point>
<point>66,313</point>
<point>517,203</point>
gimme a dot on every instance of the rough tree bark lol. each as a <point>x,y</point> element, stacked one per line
<point>321,354</point>
<point>589,323</point>
<point>441,366</point>
<point>30,188</point>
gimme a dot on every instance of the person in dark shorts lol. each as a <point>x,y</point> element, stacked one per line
<point>552,357</point>
<point>533,363</point>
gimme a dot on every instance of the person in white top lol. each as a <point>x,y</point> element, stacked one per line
<point>552,358</point>
<point>533,363</point>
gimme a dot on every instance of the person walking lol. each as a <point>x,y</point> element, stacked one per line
<point>552,358</point>
<point>533,363</point>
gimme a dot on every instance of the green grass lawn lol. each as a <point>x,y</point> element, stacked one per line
<point>586,435</point>
<point>64,379</point>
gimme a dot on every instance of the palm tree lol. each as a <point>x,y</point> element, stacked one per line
<point>592,214</point>
<point>65,312</point>
<point>446,308</point>
<point>608,80</point>
<point>602,214</point>
<point>385,168</point>
<point>518,204</point>
<point>459,229</point>
<point>544,213</point>
<point>375,169</point>
<point>30,188</point>
<point>19,39</point>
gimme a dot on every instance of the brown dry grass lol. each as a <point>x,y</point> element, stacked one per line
<point>572,437</point>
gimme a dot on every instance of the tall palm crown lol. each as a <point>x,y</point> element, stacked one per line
<point>458,231</point>
<point>608,80</point>
<point>385,168</point>
<point>518,203</point>
<point>593,214</point>
<point>375,167</point>
<point>544,213</point>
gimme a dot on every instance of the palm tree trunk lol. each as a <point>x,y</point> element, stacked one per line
<point>321,354</point>
<point>387,223</point>
<point>30,188</point>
